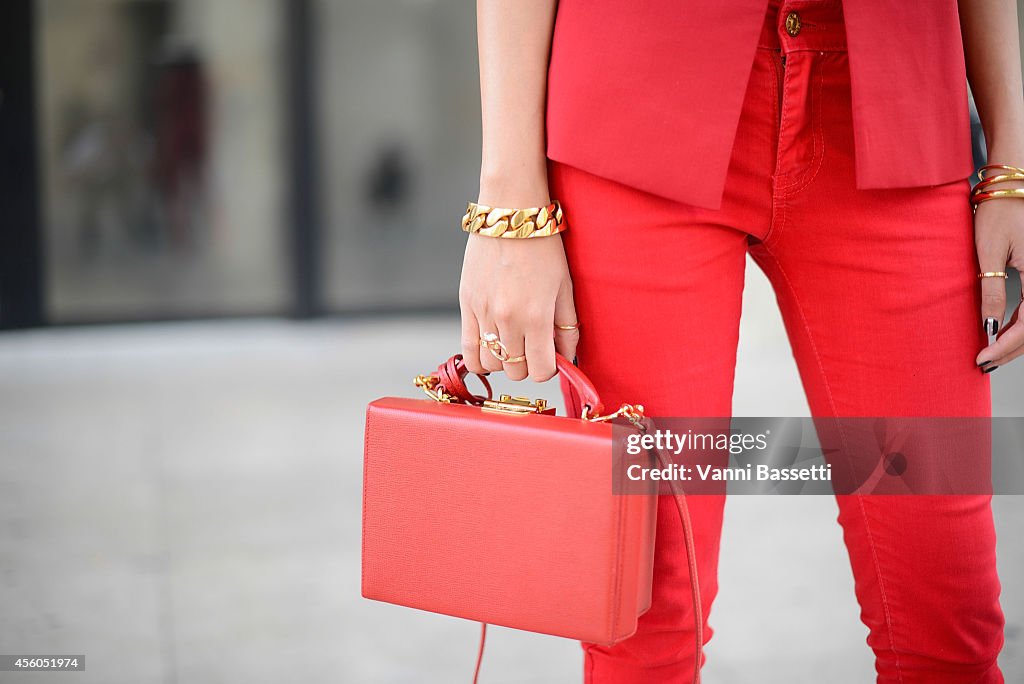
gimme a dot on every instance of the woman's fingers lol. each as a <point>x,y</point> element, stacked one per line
<point>540,348</point>
<point>565,314</point>
<point>993,253</point>
<point>471,348</point>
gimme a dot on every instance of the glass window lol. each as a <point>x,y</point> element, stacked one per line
<point>162,163</point>
<point>399,111</point>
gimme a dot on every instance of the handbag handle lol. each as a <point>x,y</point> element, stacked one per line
<point>578,391</point>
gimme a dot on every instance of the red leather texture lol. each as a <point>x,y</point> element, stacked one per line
<point>505,519</point>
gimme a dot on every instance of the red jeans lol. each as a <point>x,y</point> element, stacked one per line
<point>878,292</point>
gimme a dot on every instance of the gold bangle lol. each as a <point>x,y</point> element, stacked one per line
<point>984,183</point>
<point>514,223</point>
<point>1004,167</point>
<point>994,274</point>
<point>984,196</point>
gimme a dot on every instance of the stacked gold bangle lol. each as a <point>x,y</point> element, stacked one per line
<point>981,193</point>
<point>514,223</point>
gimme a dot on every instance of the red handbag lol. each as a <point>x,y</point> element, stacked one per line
<point>499,511</point>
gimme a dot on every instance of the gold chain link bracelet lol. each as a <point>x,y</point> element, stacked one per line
<point>514,223</point>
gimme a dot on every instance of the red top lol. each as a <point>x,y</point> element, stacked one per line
<point>649,92</point>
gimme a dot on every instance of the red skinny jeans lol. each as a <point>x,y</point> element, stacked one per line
<point>878,293</point>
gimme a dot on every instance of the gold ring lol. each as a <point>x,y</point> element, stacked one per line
<point>494,345</point>
<point>498,349</point>
<point>573,326</point>
<point>993,274</point>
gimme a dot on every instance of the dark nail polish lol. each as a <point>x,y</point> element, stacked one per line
<point>991,326</point>
<point>989,369</point>
<point>984,363</point>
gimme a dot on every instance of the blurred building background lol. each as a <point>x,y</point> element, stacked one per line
<point>198,158</point>
<point>179,497</point>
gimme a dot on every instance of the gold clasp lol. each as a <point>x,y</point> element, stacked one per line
<point>432,388</point>
<point>517,405</point>
<point>634,413</point>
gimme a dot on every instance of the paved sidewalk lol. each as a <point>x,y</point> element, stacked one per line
<point>180,503</point>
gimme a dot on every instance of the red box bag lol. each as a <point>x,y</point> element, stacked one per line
<point>499,511</point>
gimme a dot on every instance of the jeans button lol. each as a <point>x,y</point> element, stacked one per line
<point>792,23</point>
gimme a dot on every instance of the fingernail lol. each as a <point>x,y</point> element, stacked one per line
<point>991,326</point>
<point>984,363</point>
<point>989,369</point>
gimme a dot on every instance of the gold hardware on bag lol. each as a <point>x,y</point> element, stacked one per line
<point>517,405</point>
<point>430,386</point>
<point>634,413</point>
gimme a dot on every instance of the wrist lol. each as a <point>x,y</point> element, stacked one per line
<point>1005,148</point>
<point>514,193</point>
<point>514,188</point>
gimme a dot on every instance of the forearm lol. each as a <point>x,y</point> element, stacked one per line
<point>992,52</point>
<point>514,39</point>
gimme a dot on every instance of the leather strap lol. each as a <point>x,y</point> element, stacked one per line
<point>480,652</point>
<point>691,559</point>
<point>451,375</point>
<point>577,389</point>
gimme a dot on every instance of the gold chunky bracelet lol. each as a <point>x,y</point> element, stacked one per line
<point>514,223</point>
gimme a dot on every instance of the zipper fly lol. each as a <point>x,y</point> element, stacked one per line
<point>781,82</point>
<point>780,78</point>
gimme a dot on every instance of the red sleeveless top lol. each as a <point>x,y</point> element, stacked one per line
<point>649,92</point>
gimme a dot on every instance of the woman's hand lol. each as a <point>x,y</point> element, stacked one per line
<point>999,238</point>
<point>519,289</point>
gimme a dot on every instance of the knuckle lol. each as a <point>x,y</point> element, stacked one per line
<point>534,312</point>
<point>502,311</point>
